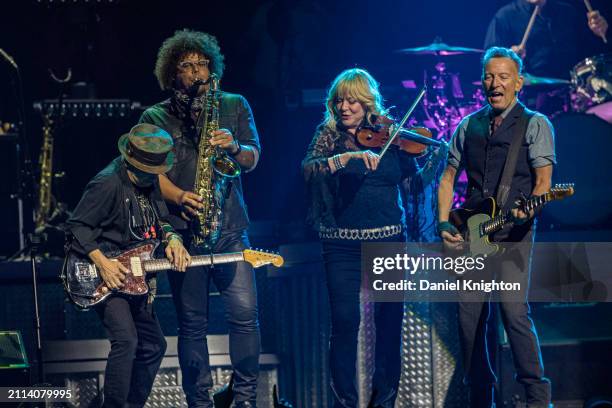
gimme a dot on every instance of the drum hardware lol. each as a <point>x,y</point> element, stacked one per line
<point>532,80</point>
<point>591,86</point>
<point>439,48</point>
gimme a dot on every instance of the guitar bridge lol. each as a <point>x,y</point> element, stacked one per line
<point>85,272</point>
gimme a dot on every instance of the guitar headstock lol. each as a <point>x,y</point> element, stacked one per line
<point>260,258</point>
<point>561,191</point>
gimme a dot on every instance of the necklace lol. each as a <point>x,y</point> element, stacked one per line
<point>146,229</point>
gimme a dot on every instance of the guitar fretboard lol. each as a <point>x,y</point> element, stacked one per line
<point>497,223</point>
<point>156,265</point>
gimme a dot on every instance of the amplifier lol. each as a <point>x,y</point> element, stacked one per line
<point>14,366</point>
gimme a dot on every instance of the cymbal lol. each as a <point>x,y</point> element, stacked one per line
<point>439,48</point>
<point>532,80</point>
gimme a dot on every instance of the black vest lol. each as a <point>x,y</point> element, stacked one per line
<point>485,156</point>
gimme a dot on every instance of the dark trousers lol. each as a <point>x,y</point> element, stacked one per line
<point>343,272</point>
<point>236,283</point>
<point>478,333</point>
<point>137,349</point>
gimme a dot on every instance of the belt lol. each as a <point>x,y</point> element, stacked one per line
<point>360,234</point>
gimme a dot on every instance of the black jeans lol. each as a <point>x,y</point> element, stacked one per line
<point>343,271</point>
<point>236,283</point>
<point>137,349</point>
<point>479,340</point>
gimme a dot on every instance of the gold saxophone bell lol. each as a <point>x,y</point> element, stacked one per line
<point>225,166</point>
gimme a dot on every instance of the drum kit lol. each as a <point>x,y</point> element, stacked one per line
<point>587,90</point>
<point>445,103</point>
<point>582,101</point>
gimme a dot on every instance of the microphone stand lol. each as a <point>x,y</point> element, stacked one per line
<point>25,190</point>
<point>25,175</point>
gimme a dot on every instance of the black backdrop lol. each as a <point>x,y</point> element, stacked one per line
<point>273,48</point>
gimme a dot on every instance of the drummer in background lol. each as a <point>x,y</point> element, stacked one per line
<point>563,34</point>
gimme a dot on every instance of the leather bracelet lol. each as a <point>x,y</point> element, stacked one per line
<point>172,235</point>
<point>166,228</point>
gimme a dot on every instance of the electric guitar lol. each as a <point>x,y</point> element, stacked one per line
<point>478,223</point>
<point>85,287</point>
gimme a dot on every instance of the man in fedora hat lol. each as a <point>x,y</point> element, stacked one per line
<point>122,205</point>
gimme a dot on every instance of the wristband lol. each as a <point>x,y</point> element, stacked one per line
<point>173,235</point>
<point>448,227</point>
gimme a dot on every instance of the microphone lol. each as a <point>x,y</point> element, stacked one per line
<point>8,58</point>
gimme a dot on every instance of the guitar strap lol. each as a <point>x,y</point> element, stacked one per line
<point>520,129</point>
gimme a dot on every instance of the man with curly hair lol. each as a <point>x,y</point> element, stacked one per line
<point>186,57</point>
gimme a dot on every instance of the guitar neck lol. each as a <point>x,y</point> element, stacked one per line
<point>497,223</point>
<point>156,265</point>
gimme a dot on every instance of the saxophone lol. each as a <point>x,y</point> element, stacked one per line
<point>46,176</point>
<point>214,174</point>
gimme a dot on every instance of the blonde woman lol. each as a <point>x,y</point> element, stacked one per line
<point>356,196</point>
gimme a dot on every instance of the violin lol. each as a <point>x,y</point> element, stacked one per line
<point>414,140</point>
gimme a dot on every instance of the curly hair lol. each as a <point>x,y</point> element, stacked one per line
<point>355,83</point>
<point>185,42</point>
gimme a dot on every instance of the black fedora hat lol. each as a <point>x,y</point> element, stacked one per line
<point>148,148</point>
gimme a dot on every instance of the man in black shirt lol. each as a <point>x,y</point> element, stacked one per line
<point>560,37</point>
<point>183,59</point>
<point>481,146</point>
<point>122,205</point>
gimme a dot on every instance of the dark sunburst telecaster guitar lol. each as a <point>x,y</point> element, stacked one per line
<point>478,223</point>
<point>85,287</point>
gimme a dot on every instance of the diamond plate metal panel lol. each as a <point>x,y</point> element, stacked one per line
<point>416,382</point>
<point>366,348</point>
<point>167,377</point>
<point>431,367</point>
<point>449,390</point>
<point>84,388</point>
<point>166,397</point>
<point>167,391</point>
<point>265,385</point>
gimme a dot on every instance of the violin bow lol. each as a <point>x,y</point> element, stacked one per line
<point>399,126</point>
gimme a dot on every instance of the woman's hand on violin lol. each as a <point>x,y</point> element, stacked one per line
<point>370,159</point>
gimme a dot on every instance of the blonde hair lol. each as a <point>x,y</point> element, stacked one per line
<point>354,83</point>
